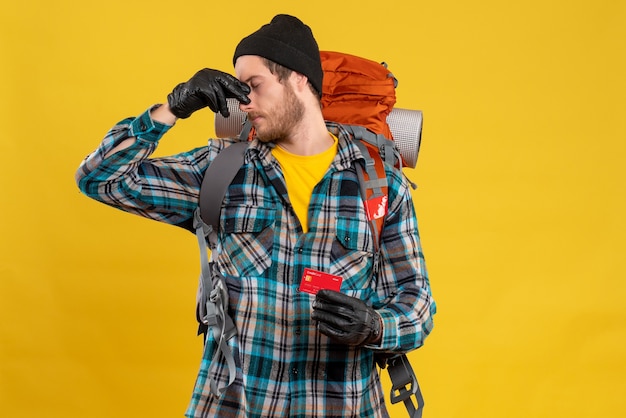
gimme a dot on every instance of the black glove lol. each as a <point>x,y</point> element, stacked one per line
<point>207,88</point>
<point>345,319</point>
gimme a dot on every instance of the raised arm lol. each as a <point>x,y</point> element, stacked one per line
<point>121,173</point>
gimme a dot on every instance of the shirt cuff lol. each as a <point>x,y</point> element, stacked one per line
<point>385,319</point>
<point>146,128</point>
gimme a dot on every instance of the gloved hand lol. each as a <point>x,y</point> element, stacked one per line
<point>346,319</point>
<point>207,88</point>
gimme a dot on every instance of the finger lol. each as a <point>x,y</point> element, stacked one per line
<point>330,331</point>
<point>333,318</point>
<point>331,308</point>
<point>221,103</point>
<point>243,99</point>
<point>239,94</point>
<point>320,315</point>
<point>235,88</point>
<point>334,297</point>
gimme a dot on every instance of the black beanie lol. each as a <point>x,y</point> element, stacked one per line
<point>288,42</point>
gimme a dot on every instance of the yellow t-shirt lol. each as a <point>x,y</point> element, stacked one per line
<point>302,173</point>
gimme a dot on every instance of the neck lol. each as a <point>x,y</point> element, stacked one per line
<point>307,139</point>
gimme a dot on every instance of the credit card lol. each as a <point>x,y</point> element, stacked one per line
<point>313,281</point>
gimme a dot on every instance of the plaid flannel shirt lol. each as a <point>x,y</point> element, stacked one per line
<point>285,367</point>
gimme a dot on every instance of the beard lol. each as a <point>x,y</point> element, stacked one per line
<point>282,118</point>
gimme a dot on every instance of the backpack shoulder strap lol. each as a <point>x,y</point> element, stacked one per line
<point>404,385</point>
<point>372,180</point>
<point>374,191</point>
<point>212,299</point>
<point>217,177</point>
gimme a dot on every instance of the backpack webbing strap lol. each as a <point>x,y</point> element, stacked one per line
<point>216,180</point>
<point>404,385</point>
<point>377,180</point>
<point>212,301</point>
<point>376,230</point>
<point>372,180</point>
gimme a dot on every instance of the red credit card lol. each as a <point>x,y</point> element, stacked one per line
<point>313,281</point>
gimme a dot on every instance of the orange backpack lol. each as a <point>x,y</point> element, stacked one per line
<point>357,91</point>
<point>360,93</point>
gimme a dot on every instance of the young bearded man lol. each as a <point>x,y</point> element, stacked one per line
<point>294,206</point>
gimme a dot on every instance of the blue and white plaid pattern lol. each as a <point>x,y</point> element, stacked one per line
<point>286,368</point>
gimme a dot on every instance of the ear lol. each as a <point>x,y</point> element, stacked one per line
<point>300,81</point>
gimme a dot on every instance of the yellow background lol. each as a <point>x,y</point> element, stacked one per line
<point>521,200</point>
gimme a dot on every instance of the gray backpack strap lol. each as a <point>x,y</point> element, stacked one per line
<point>212,300</point>
<point>212,309</point>
<point>404,385</point>
<point>216,180</point>
<point>361,134</point>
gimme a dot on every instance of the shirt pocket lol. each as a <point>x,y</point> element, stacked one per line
<point>247,240</point>
<point>352,253</point>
